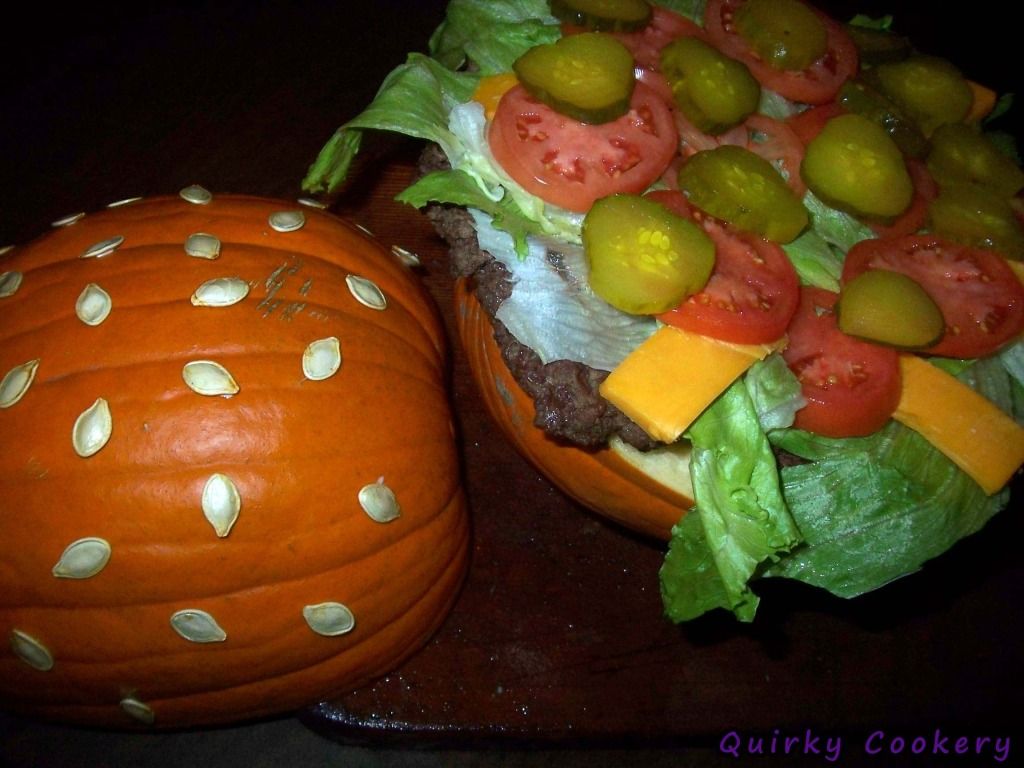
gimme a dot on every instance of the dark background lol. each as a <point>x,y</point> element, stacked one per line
<point>101,104</point>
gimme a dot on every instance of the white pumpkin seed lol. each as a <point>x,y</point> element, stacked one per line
<point>67,221</point>
<point>206,377</point>
<point>31,651</point>
<point>365,230</point>
<point>309,202</point>
<point>102,248</point>
<point>10,282</point>
<point>16,383</point>
<point>366,292</point>
<point>123,202</point>
<point>287,221</point>
<point>83,559</point>
<point>220,292</point>
<point>202,246</point>
<point>92,429</point>
<point>329,619</point>
<point>197,626</point>
<point>196,194</point>
<point>405,256</point>
<point>93,305</point>
<point>6,249</point>
<point>221,503</point>
<point>137,709</point>
<point>322,359</point>
<point>379,502</point>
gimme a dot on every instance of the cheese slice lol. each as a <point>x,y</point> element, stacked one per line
<point>668,381</point>
<point>971,430</point>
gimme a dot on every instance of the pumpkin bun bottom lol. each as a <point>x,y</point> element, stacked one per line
<point>647,492</point>
<point>229,485</point>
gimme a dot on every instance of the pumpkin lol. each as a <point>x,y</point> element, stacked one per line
<point>228,480</point>
<point>646,492</point>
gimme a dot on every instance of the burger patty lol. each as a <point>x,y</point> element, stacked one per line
<point>565,393</point>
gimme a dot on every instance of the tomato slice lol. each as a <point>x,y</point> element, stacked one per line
<point>817,84</point>
<point>753,289</point>
<point>852,387</point>
<point>571,164</point>
<point>980,297</point>
<point>916,215</point>
<point>808,124</point>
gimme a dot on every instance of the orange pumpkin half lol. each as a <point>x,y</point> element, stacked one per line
<point>647,492</point>
<point>228,480</point>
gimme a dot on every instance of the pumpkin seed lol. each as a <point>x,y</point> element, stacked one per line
<point>287,221</point>
<point>67,221</point>
<point>322,359</point>
<point>123,202</point>
<point>220,292</point>
<point>197,626</point>
<point>92,429</point>
<point>10,282</point>
<point>31,651</point>
<point>202,246</point>
<point>83,559</point>
<point>206,377</point>
<point>16,383</point>
<point>365,230</point>
<point>379,502</point>
<point>138,710</point>
<point>405,256</point>
<point>196,194</point>
<point>93,305</point>
<point>309,202</point>
<point>329,619</point>
<point>366,292</point>
<point>102,248</point>
<point>6,249</point>
<point>221,503</point>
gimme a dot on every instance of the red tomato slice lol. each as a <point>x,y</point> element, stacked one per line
<point>808,124</point>
<point>916,215</point>
<point>980,297</point>
<point>851,386</point>
<point>753,290</point>
<point>817,84</point>
<point>571,164</point>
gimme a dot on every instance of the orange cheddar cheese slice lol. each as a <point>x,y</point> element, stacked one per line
<point>969,429</point>
<point>668,381</point>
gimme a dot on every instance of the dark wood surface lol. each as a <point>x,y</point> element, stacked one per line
<point>558,636</point>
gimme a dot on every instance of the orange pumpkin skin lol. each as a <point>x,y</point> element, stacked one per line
<point>600,479</point>
<point>297,450</point>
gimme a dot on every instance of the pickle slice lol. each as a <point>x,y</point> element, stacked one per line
<point>588,77</point>
<point>928,89</point>
<point>978,217</point>
<point>715,92</point>
<point>786,34</point>
<point>889,308</point>
<point>734,184</point>
<point>855,166</point>
<point>643,258</point>
<point>603,15</point>
<point>963,155</point>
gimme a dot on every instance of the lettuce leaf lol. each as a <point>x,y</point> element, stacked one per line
<point>874,509</point>
<point>492,35</point>
<point>740,520</point>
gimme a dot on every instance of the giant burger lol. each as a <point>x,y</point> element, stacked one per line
<point>737,273</point>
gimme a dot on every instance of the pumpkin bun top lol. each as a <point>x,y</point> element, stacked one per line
<point>228,480</point>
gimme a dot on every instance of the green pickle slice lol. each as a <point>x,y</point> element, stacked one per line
<point>889,308</point>
<point>860,98</point>
<point>978,217</point>
<point>744,189</point>
<point>929,90</point>
<point>643,258</point>
<point>854,165</point>
<point>961,154</point>
<point>588,77</point>
<point>714,91</point>
<point>786,34</point>
<point>603,15</point>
